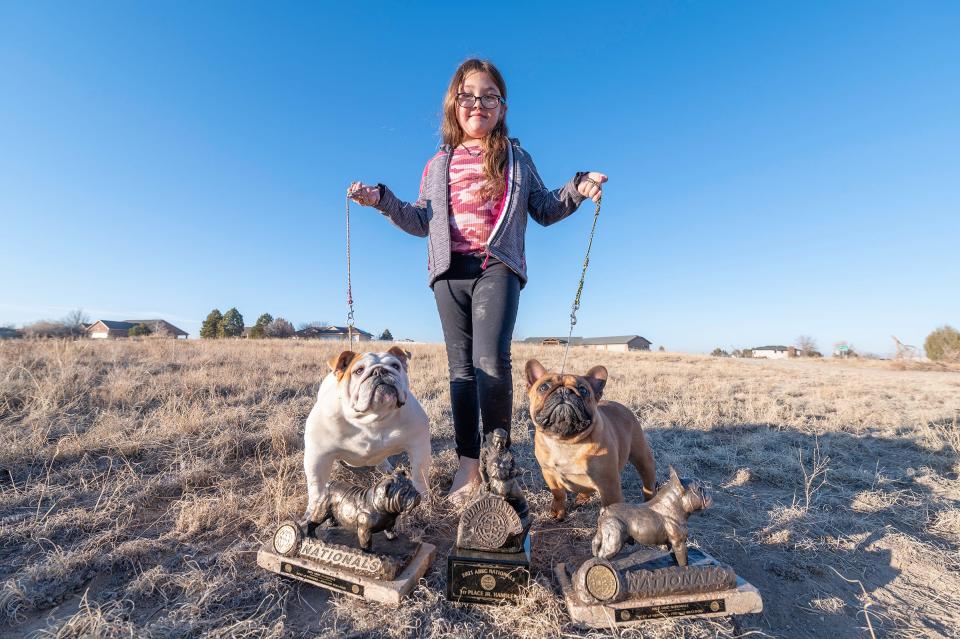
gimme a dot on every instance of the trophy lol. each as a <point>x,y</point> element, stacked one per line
<point>632,587</point>
<point>348,545</point>
<point>491,560</point>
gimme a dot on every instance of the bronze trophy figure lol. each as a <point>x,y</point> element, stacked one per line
<point>648,583</point>
<point>367,510</point>
<point>341,548</point>
<point>498,473</point>
<point>491,560</point>
<point>662,520</point>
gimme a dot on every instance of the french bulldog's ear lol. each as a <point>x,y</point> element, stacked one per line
<point>535,371</point>
<point>597,376</point>
<point>400,354</point>
<point>341,362</point>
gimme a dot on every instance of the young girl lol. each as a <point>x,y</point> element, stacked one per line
<point>475,194</point>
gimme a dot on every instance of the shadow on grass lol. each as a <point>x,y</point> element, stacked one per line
<point>793,512</point>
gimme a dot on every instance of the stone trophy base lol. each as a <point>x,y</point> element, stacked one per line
<point>385,574</point>
<point>635,610</point>
<point>479,577</point>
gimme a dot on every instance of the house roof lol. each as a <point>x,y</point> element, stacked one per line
<point>616,339</point>
<point>153,324</point>
<point>771,348</point>
<point>156,324</point>
<point>590,341</point>
<point>114,325</point>
<point>317,331</point>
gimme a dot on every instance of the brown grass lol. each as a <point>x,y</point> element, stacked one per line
<point>138,478</point>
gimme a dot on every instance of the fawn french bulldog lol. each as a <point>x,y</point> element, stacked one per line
<point>582,442</point>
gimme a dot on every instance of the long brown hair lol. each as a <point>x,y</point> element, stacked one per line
<point>495,143</point>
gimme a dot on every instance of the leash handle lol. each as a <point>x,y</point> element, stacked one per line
<point>583,276</point>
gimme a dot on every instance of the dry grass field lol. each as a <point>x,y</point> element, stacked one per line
<point>138,478</point>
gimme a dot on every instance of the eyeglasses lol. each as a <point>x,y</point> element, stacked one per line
<point>468,100</point>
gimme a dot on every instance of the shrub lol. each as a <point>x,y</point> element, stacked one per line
<point>140,330</point>
<point>47,328</point>
<point>943,344</point>
<point>719,352</point>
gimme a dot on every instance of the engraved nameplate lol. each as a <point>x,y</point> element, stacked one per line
<point>321,579</point>
<point>671,610</point>
<point>486,584</point>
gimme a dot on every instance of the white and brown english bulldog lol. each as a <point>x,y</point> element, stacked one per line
<point>364,413</point>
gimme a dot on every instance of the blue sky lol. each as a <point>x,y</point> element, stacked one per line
<point>775,169</point>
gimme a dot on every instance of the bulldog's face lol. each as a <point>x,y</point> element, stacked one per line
<point>693,494</point>
<point>371,383</point>
<point>563,406</point>
<point>395,494</point>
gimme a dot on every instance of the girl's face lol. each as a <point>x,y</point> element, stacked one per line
<point>477,121</point>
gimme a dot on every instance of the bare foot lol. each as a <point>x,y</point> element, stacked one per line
<point>465,480</point>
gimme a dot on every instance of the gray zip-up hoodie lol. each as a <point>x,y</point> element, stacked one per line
<point>429,216</point>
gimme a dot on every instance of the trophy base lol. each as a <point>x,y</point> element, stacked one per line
<point>475,576</point>
<point>395,579</point>
<point>633,611</point>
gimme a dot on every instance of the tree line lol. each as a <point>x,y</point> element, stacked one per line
<point>230,324</point>
<point>941,345</point>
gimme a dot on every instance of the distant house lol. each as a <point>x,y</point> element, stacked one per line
<point>336,333</point>
<point>774,352</point>
<point>9,333</point>
<point>111,329</point>
<point>621,343</point>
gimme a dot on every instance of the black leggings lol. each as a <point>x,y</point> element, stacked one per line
<point>478,309</point>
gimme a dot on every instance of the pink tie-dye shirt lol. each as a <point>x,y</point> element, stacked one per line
<point>472,217</point>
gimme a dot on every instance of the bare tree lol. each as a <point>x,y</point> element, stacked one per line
<point>75,322</point>
<point>903,351</point>
<point>816,476</point>
<point>317,323</point>
<point>279,328</point>
<point>806,345</point>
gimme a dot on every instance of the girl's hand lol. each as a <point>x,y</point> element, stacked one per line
<point>591,185</point>
<point>365,195</point>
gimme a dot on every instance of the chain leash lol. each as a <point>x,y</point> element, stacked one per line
<point>583,275</point>
<point>349,282</point>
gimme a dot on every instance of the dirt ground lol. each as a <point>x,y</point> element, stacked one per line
<point>138,478</point>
